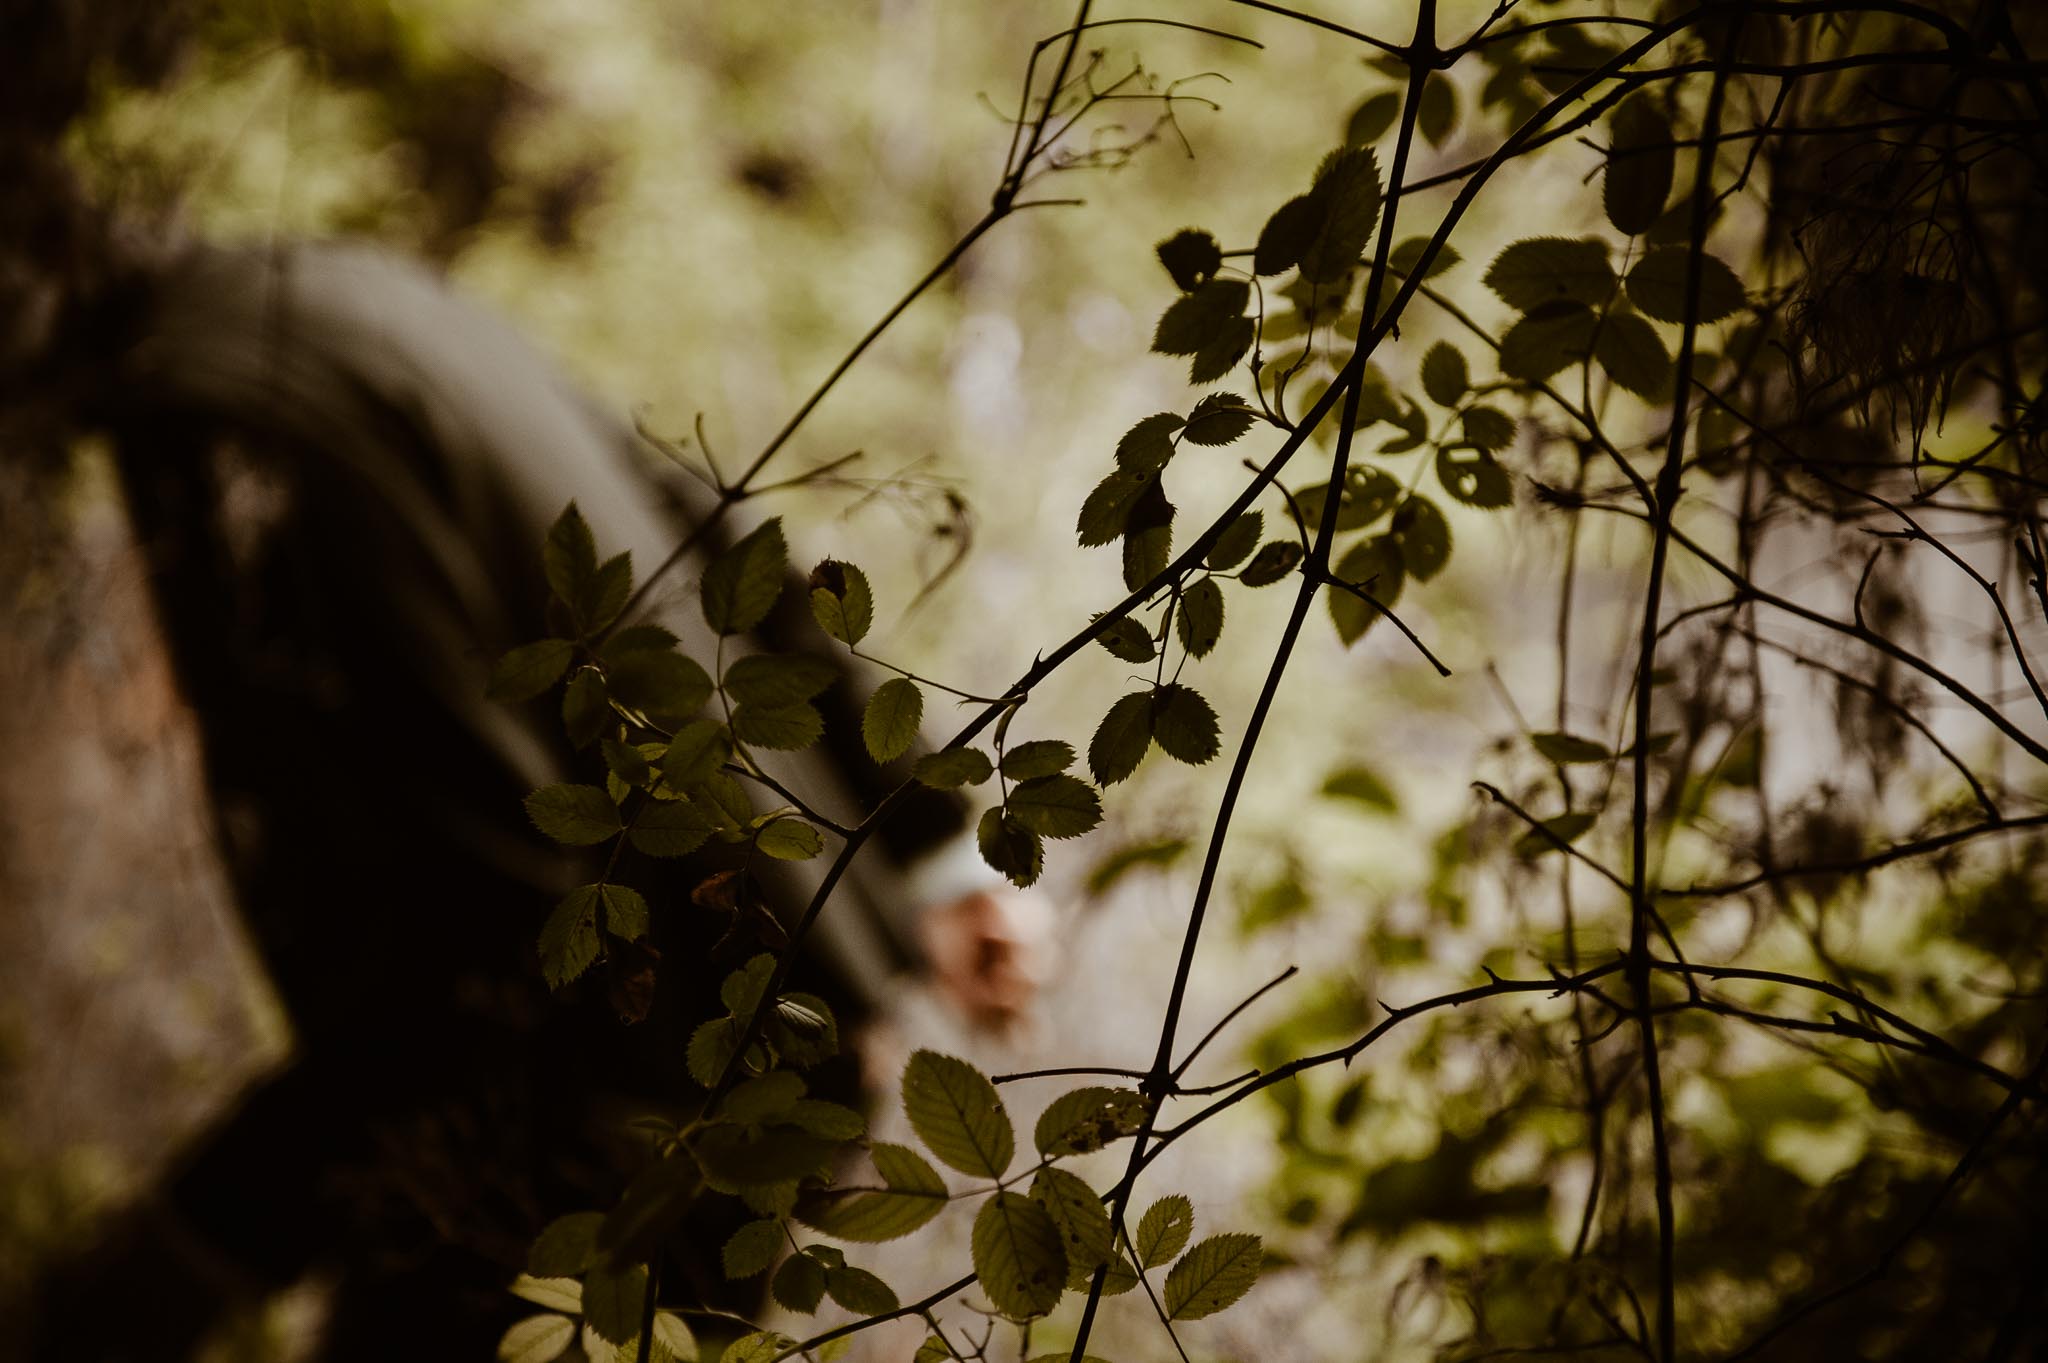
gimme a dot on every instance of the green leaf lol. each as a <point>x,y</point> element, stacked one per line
<point>860,1291</point>
<point>753,1248</point>
<point>672,828</point>
<point>767,1097</point>
<point>1191,256</point>
<point>1127,639</point>
<point>584,711</point>
<point>1164,1229</point>
<point>1633,354</point>
<point>1543,270</point>
<point>611,1301</point>
<point>564,1249</point>
<point>1564,748</point>
<point>1287,234</point>
<point>1423,537</point>
<point>1363,785</point>
<point>1107,509</point>
<point>805,1032</point>
<point>1221,355</point>
<point>1184,724</point>
<point>1444,375</point>
<point>627,764</point>
<point>1212,1275</point>
<point>772,679</point>
<point>1438,111</point>
<point>1348,185</point>
<point>570,936</point>
<point>789,839</point>
<point>668,688</point>
<point>1564,828</point>
<point>1657,285</point>
<point>699,748</point>
<point>1147,546</point>
<point>763,1346</point>
<point>1375,568</point>
<point>1488,429</point>
<point>1546,340</point>
<point>735,1157</point>
<point>1474,478</point>
<point>1087,1119</point>
<point>537,1339</point>
<point>710,1049</point>
<point>958,1114</point>
<point>1232,547</point>
<point>1371,119</point>
<point>743,989</point>
<point>829,1120</point>
<point>953,767</point>
<point>1274,561</point>
<point>1196,320</point>
<point>915,1194</point>
<point>1010,847</point>
<point>1056,806</point>
<point>1200,618</point>
<point>800,1284</point>
<point>1040,757</point>
<point>1407,254</point>
<point>1218,419</point>
<point>1147,447</point>
<point>530,669</point>
<point>740,586</point>
<point>1083,1224</point>
<point>576,815</point>
<point>671,1334</point>
<point>1122,739</point>
<point>1368,494</point>
<point>558,1294</point>
<point>1019,1256</point>
<point>841,602</point>
<point>890,725</point>
<point>1121,862</point>
<point>625,911</point>
<point>604,596</point>
<point>783,728</point>
<point>636,639</point>
<point>569,555</point>
<point>1640,163</point>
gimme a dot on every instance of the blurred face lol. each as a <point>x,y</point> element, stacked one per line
<point>990,951</point>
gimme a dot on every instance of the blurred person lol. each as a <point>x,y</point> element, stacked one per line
<point>341,474</point>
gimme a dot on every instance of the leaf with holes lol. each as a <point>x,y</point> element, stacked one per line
<point>1164,1229</point>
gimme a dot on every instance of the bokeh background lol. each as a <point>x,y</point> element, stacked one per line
<point>696,208</point>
